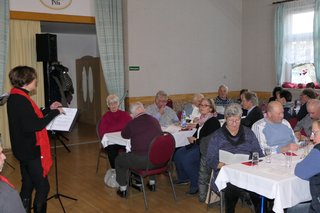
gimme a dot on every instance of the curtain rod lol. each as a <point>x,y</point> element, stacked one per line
<point>284,1</point>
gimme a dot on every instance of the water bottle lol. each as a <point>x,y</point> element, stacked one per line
<point>183,119</point>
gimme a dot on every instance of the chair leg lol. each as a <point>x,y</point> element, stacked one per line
<point>221,201</point>
<point>209,198</point>
<point>172,186</point>
<point>144,193</point>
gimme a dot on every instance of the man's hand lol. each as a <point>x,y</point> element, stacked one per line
<point>291,147</point>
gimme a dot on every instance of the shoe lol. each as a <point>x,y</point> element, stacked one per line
<point>192,191</point>
<point>137,186</point>
<point>180,182</point>
<point>122,194</point>
<point>152,187</point>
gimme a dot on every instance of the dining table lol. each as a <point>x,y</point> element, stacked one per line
<point>180,135</point>
<point>274,180</point>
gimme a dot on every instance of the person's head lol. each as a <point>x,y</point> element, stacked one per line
<point>313,108</point>
<point>310,85</point>
<point>161,99</point>
<point>307,94</point>
<point>2,158</point>
<point>233,114</point>
<point>284,96</point>
<point>136,109</point>
<point>206,106</point>
<point>243,91</point>
<point>276,91</point>
<point>249,99</point>
<point>223,91</point>
<point>275,112</point>
<point>197,99</point>
<point>113,102</point>
<point>315,134</point>
<point>24,77</point>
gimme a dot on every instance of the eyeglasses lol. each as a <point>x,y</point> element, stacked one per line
<point>233,121</point>
<point>314,133</point>
<point>204,105</point>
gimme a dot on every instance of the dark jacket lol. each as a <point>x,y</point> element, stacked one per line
<point>254,115</point>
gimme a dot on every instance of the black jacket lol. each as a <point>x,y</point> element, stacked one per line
<point>255,115</point>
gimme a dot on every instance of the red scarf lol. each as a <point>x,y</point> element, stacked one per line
<point>41,136</point>
<point>6,180</point>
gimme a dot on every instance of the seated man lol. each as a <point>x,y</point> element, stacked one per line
<point>249,102</point>
<point>10,200</point>
<point>164,114</point>
<point>222,100</point>
<point>274,131</point>
<point>141,130</point>
<point>285,98</point>
<point>305,96</point>
<point>192,109</point>
<point>313,109</point>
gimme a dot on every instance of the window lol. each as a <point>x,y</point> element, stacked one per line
<point>298,57</point>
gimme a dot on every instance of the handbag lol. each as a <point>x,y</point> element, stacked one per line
<point>110,178</point>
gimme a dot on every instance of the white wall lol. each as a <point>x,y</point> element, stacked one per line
<point>74,46</point>
<point>183,46</point>
<point>258,45</point>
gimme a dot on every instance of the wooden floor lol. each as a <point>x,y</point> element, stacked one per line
<point>78,179</point>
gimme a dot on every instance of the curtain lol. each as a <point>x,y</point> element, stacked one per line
<point>110,42</point>
<point>4,39</point>
<point>316,39</point>
<point>22,51</point>
<point>293,45</point>
<point>278,31</point>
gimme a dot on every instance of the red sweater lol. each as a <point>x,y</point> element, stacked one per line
<point>113,122</point>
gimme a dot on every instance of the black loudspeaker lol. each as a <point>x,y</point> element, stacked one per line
<point>46,45</point>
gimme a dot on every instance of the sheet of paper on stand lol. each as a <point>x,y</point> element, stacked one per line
<point>230,158</point>
<point>63,122</point>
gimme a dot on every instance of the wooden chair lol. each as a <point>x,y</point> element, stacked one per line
<point>160,154</point>
<point>101,153</point>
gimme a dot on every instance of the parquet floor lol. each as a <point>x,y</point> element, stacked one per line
<point>77,178</point>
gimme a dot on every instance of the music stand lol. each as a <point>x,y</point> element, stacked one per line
<point>67,126</point>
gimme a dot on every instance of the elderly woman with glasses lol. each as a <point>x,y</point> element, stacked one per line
<point>237,139</point>
<point>309,169</point>
<point>112,121</point>
<point>187,159</point>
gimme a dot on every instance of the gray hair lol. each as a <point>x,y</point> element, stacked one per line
<point>314,103</point>
<point>113,98</point>
<point>135,106</point>
<point>233,109</point>
<point>161,93</point>
<point>251,96</point>
<point>198,96</point>
<point>223,86</point>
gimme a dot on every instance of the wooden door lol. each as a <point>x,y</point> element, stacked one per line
<point>88,89</point>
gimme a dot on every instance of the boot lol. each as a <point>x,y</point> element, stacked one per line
<point>26,202</point>
<point>40,207</point>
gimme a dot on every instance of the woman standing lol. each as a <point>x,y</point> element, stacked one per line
<point>187,159</point>
<point>29,137</point>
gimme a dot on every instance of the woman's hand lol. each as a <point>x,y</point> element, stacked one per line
<point>57,105</point>
<point>192,139</point>
<point>220,165</point>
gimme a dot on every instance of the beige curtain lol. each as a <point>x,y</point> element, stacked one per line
<point>22,51</point>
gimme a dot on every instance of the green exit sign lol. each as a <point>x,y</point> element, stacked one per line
<point>134,68</point>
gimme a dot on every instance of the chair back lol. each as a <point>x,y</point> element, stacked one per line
<point>98,129</point>
<point>162,149</point>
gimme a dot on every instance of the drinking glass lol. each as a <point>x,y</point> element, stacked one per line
<point>255,159</point>
<point>288,159</point>
<point>267,153</point>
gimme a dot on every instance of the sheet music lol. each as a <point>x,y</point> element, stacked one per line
<point>230,158</point>
<point>63,122</point>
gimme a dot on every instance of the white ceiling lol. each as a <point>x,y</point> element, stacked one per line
<point>68,28</point>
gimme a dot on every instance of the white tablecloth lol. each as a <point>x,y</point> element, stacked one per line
<point>272,180</point>
<point>115,138</point>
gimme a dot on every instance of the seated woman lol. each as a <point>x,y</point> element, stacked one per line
<point>237,139</point>
<point>309,169</point>
<point>187,159</point>
<point>275,93</point>
<point>112,121</point>
<point>192,109</point>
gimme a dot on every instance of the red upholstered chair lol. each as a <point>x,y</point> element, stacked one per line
<point>170,103</point>
<point>293,122</point>
<point>160,154</point>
